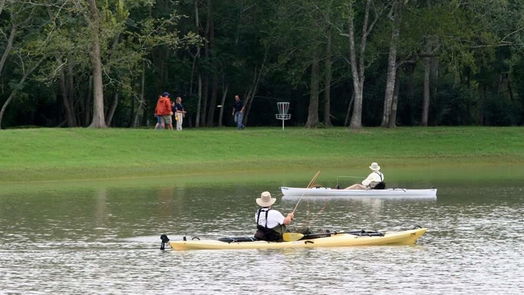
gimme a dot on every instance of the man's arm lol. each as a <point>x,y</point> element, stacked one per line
<point>368,179</point>
<point>289,218</point>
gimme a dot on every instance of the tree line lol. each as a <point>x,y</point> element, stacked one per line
<point>355,63</point>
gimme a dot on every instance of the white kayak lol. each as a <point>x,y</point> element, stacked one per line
<point>390,193</point>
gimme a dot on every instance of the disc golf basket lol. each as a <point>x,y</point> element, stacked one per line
<point>283,108</point>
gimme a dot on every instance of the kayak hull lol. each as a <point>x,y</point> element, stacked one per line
<point>408,237</point>
<point>391,193</point>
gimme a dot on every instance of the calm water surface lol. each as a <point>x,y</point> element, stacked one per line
<point>106,241</point>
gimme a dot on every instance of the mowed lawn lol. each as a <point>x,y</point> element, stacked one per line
<point>82,153</point>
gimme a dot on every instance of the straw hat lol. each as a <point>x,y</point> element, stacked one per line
<point>374,166</point>
<point>265,200</point>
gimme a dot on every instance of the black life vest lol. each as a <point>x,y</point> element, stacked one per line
<point>378,185</point>
<point>265,233</point>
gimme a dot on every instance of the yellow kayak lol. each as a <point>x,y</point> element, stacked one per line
<point>407,237</point>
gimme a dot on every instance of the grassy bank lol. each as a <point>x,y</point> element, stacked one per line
<point>82,154</point>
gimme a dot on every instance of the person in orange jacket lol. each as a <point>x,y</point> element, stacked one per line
<point>163,110</point>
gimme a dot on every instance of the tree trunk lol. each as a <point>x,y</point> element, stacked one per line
<point>4,106</point>
<point>66,97</point>
<point>252,92</point>
<point>98,120</point>
<point>199,102</point>
<point>392,67</point>
<point>112,110</point>
<point>250,97</point>
<point>312,118</point>
<point>257,76</point>
<point>87,101</point>
<point>426,97</point>
<point>327,81</point>
<point>510,88</point>
<point>223,104</point>
<point>212,101</point>
<point>356,118</point>
<point>73,93</point>
<point>394,103</point>
<point>434,73</point>
<point>194,68</point>
<point>193,71</point>
<point>348,112</point>
<point>8,48</point>
<point>357,67</point>
<point>204,95</point>
<point>139,114</point>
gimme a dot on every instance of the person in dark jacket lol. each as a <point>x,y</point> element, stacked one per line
<point>179,111</point>
<point>238,112</point>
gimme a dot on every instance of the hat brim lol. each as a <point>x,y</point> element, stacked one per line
<point>261,203</point>
<point>375,168</point>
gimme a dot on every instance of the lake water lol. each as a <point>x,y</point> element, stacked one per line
<point>105,240</point>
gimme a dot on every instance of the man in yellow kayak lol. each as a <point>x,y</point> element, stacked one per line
<point>375,179</point>
<point>271,224</point>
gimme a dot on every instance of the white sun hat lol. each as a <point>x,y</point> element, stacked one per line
<point>265,200</point>
<point>374,166</point>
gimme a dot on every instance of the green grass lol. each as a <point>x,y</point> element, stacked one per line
<point>85,154</point>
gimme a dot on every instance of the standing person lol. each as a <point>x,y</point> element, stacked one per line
<point>159,122</point>
<point>180,112</point>
<point>271,224</point>
<point>238,112</point>
<point>163,109</point>
<point>375,179</point>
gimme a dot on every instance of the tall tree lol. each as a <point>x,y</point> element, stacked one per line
<point>93,19</point>
<point>312,118</point>
<point>391,79</point>
<point>328,77</point>
<point>357,56</point>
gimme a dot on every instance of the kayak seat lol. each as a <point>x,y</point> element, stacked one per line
<point>237,239</point>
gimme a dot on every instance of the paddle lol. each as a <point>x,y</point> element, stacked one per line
<point>291,237</point>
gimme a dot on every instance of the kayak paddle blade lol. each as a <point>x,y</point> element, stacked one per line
<point>291,237</point>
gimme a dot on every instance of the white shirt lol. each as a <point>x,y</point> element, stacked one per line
<point>274,218</point>
<point>373,177</point>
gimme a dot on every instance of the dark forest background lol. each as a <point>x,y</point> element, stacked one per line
<point>339,63</point>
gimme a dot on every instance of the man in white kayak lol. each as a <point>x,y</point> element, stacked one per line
<point>271,224</point>
<point>375,179</point>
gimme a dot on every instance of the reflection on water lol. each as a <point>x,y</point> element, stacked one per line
<point>106,240</point>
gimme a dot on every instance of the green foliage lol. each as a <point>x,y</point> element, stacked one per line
<point>456,106</point>
<point>476,44</point>
<point>499,111</point>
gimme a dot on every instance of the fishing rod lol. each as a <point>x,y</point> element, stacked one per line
<point>308,186</point>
